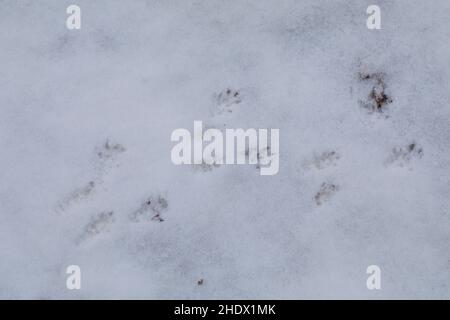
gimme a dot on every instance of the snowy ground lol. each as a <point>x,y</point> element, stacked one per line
<point>85,123</point>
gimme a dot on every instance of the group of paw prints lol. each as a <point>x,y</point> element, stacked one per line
<point>226,102</point>
<point>150,209</point>
<point>377,102</point>
<point>399,155</point>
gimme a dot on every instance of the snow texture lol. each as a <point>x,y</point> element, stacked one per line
<point>85,123</point>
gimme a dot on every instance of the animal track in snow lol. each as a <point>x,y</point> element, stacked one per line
<point>326,191</point>
<point>151,209</point>
<point>377,99</point>
<point>262,156</point>
<point>76,196</point>
<point>98,224</point>
<point>105,159</point>
<point>401,156</point>
<point>226,100</point>
<point>205,167</point>
<point>324,159</point>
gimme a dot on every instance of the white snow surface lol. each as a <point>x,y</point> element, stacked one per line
<point>137,70</point>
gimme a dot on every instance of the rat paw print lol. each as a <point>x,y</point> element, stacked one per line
<point>377,100</point>
<point>76,196</point>
<point>205,167</point>
<point>401,156</point>
<point>324,159</point>
<point>151,209</point>
<point>213,164</point>
<point>109,150</point>
<point>99,223</point>
<point>106,156</point>
<point>258,156</point>
<point>226,100</point>
<point>326,191</point>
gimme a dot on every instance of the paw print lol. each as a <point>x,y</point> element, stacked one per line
<point>226,100</point>
<point>401,156</point>
<point>205,167</point>
<point>151,209</point>
<point>326,191</point>
<point>324,159</point>
<point>76,196</point>
<point>105,157</point>
<point>98,224</point>
<point>377,99</point>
